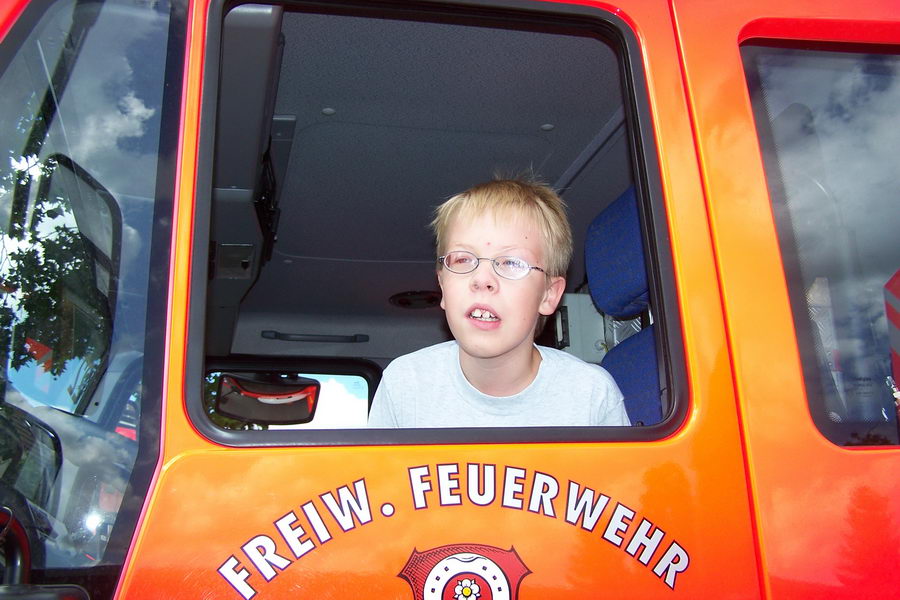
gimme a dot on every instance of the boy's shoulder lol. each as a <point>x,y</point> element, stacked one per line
<point>563,363</point>
<point>424,356</point>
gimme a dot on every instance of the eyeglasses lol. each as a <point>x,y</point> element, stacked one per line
<point>508,267</point>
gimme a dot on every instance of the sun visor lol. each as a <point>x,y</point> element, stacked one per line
<point>244,205</point>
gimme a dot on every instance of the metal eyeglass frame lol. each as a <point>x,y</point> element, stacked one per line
<point>494,263</point>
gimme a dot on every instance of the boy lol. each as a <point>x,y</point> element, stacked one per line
<point>503,251</point>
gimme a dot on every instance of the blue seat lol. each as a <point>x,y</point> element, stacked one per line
<point>617,279</point>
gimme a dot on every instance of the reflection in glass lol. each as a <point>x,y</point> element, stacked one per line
<point>829,125</point>
<point>80,124</point>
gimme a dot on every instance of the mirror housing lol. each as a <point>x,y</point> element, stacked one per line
<point>267,398</point>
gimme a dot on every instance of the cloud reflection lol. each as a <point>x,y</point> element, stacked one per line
<point>835,120</point>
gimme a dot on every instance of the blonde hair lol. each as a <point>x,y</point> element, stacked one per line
<point>529,198</point>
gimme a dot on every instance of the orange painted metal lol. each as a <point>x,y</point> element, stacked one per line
<point>208,501</point>
<point>9,12</point>
<point>747,487</point>
<point>828,516</point>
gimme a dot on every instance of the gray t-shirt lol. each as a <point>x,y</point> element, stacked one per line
<point>427,388</point>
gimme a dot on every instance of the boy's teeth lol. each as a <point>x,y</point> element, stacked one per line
<point>484,315</point>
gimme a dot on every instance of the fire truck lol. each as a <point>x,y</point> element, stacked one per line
<point>214,239</point>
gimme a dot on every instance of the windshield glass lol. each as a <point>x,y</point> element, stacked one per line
<point>82,116</point>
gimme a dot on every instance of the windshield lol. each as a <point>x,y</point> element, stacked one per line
<point>84,119</point>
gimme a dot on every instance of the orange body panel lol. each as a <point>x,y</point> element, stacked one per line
<point>691,486</point>
<point>746,499</point>
<point>9,12</point>
<point>814,500</point>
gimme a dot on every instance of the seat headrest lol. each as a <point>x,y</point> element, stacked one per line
<point>614,259</point>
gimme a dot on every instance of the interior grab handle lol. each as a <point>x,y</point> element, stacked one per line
<point>357,338</point>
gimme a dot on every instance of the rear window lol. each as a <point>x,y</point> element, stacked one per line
<point>829,126</point>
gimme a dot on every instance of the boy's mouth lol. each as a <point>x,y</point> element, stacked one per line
<point>484,315</point>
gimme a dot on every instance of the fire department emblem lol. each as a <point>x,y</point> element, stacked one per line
<point>464,572</point>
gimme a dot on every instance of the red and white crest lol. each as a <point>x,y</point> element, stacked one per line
<point>464,572</point>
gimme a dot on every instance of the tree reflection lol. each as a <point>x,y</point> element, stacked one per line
<point>54,306</point>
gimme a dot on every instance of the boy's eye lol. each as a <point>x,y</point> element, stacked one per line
<point>512,267</point>
<point>460,259</point>
<point>510,262</point>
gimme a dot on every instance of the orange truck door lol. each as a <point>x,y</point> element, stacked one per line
<point>795,111</point>
<point>173,506</point>
<point>659,513</point>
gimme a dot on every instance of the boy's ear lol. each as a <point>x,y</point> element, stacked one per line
<point>441,285</point>
<point>552,295</point>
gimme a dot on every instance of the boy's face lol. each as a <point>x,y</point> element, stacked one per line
<point>509,309</point>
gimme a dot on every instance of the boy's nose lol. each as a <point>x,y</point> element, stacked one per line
<point>483,277</point>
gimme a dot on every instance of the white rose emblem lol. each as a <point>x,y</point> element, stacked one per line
<point>467,589</point>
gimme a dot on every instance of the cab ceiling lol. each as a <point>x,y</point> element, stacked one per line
<point>393,117</point>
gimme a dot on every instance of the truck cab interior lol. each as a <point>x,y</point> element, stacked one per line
<point>338,133</point>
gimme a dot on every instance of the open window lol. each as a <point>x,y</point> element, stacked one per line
<point>337,131</point>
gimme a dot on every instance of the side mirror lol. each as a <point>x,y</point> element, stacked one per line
<point>69,193</point>
<point>267,398</point>
<point>61,278</point>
